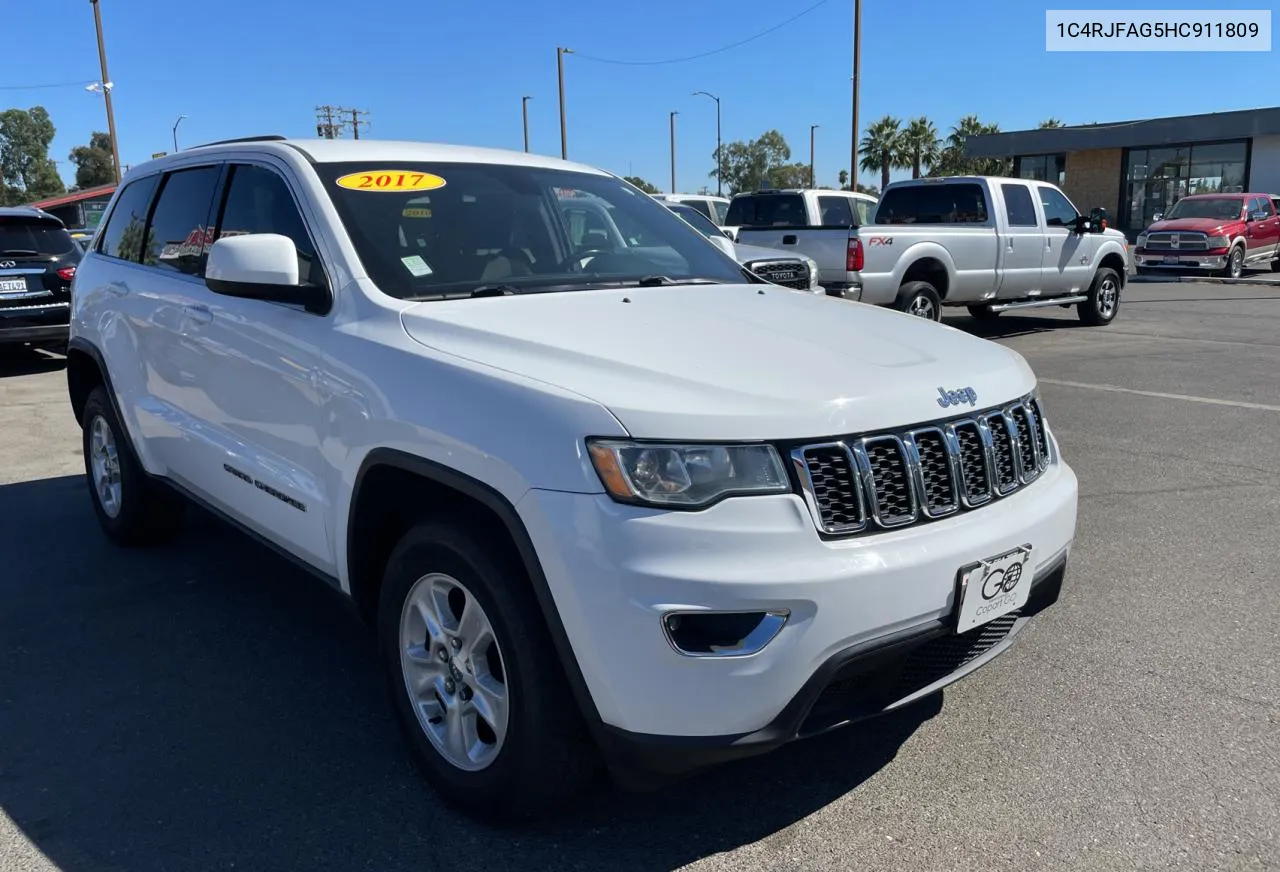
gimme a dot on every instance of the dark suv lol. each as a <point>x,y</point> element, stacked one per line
<point>38,259</point>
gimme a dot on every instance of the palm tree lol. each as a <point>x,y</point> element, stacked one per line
<point>1051,122</point>
<point>920,141</point>
<point>882,149</point>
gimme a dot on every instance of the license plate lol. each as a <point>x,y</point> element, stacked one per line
<point>13,286</point>
<point>994,587</point>
<point>1171,260</point>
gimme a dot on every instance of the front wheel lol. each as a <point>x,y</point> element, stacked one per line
<point>475,682</point>
<point>919,299</point>
<point>1235,264</point>
<point>1103,303</point>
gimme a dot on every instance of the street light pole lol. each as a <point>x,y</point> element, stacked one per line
<point>673,151</point>
<point>524,110</point>
<point>813,182</point>
<point>857,67</point>
<point>106,92</point>
<point>564,140</point>
<point>175,131</point>
<point>719,188</point>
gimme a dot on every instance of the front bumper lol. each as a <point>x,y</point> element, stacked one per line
<point>614,571</point>
<point>1167,260</point>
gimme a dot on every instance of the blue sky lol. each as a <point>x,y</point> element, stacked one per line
<point>455,72</point>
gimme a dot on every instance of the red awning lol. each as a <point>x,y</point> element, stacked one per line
<point>87,194</point>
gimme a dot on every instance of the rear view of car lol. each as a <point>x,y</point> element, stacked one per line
<point>38,259</point>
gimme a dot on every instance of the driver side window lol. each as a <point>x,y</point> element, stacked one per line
<point>1058,211</point>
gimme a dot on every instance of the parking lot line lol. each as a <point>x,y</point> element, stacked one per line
<point>1213,401</point>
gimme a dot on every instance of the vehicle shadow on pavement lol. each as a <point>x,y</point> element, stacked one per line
<point>24,361</point>
<point>207,705</point>
<point>1010,326</point>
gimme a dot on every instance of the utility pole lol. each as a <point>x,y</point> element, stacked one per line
<point>564,140</point>
<point>719,187</point>
<point>356,122</point>
<point>813,182</point>
<point>326,127</point>
<point>857,67</point>
<point>673,151</point>
<point>106,91</point>
<point>524,111</point>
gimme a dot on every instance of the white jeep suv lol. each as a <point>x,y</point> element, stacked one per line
<point>630,506</point>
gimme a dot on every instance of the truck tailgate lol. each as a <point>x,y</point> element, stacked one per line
<point>828,246</point>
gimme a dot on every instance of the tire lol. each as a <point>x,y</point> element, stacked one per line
<point>1103,304</point>
<point>920,299</point>
<point>1235,264</point>
<point>1275,266</point>
<point>539,757</point>
<point>132,509</point>
<point>983,314</point>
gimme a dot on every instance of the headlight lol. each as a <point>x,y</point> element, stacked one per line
<point>667,475</point>
<point>1218,241</point>
<point>1142,240</point>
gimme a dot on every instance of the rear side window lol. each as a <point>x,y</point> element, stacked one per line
<point>258,201</point>
<point>700,205</point>
<point>865,210</point>
<point>34,237</point>
<point>722,212</point>
<point>1018,206</point>
<point>956,203</point>
<point>175,236</point>
<point>122,237</point>
<point>836,211</point>
<point>767,210</point>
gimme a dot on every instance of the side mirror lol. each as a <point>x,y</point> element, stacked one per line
<point>1159,216</point>
<point>261,266</point>
<point>725,244</point>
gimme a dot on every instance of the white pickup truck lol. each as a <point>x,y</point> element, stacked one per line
<point>815,223</point>
<point>991,244</point>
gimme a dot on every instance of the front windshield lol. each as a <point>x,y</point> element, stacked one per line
<point>1216,208</point>
<point>444,230</point>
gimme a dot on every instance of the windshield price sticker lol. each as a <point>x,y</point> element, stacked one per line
<point>391,180</point>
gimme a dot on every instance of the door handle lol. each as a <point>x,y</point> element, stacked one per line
<point>198,314</point>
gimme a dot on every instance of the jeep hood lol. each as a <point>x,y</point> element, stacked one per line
<point>727,361</point>
<point>1211,226</point>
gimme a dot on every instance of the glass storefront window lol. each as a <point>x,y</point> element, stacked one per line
<point>1042,167</point>
<point>1156,178</point>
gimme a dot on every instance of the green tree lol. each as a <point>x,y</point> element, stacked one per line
<point>920,141</point>
<point>882,148</point>
<point>26,171</point>
<point>93,162</point>
<point>1051,122</point>
<point>954,162</point>
<point>843,178</point>
<point>749,166</point>
<point>640,183</point>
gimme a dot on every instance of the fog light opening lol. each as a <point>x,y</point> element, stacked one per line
<point>722,634</point>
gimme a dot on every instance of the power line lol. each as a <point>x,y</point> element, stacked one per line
<point>333,121</point>
<point>79,84</point>
<point>706,54</point>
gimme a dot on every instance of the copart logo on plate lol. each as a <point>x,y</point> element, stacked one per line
<point>947,398</point>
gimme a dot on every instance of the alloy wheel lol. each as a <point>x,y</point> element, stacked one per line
<point>104,461</point>
<point>454,672</point>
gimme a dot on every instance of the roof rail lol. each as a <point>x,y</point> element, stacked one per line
<point>270,137</point>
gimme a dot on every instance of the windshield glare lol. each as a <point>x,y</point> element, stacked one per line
<point>1217,208</point>
<point>525,228</point>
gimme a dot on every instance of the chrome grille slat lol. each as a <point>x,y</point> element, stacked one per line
<point>894,479</point>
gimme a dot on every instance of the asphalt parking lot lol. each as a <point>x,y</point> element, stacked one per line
<point>207,706</point>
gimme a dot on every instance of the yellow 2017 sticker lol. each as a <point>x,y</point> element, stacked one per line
<point>391,180</point>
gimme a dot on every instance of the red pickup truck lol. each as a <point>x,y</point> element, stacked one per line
<point>1224,234</point>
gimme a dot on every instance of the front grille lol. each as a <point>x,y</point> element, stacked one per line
<point>939,658</point>
<point>1175,242</point>
<point>891,480</point>
<point>788,273</point>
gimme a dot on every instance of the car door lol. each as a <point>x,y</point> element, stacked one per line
<point>155,299</point>
<point>1068,264</point>
<point>1260,231</point>
<point>1021,243</point>
<point>262,388</point>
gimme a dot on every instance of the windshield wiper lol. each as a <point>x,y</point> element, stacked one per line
<point>19,252</point>
<point>495,291</point>
<point>661,281</point>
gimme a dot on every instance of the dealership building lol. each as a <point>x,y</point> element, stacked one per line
<point>81,210</point>
<point>1134,169</point>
